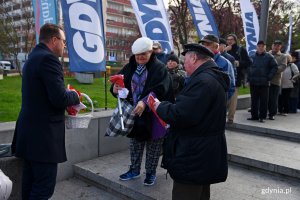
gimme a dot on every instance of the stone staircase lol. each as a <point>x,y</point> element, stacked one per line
<point>264,164</point>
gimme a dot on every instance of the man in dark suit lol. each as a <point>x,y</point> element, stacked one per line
<point>39,137</point>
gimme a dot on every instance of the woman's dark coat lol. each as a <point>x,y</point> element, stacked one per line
<point>158,81</point>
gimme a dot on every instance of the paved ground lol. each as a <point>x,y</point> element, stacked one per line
<point>75,189</point>
<point>285,123</point>
<point>270,151</point>
<point>242,183</point>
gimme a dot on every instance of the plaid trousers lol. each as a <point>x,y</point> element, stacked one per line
<point>153,150</point>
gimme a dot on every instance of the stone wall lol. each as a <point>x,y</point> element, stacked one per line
<point>81,145</point>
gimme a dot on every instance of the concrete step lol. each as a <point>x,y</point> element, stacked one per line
<point>283,127</point>
<point>270,154</point>
<point>242,183</point>
<point>75,189</point>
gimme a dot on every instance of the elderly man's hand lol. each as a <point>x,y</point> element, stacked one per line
<point>156,104</point>
<point>139,109</point>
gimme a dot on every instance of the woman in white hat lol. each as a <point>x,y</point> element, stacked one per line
<point>145,75</point>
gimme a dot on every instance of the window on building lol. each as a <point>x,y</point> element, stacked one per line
<point>111,55</point>
<point>130,20</point>
<point>128,9</point>
<point>115,18</point>
<point>129,32</point>
<point>115,6</point>
<point>114,30</point>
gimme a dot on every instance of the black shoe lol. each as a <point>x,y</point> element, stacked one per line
<point>261,120</point>
<point>271,118</point>
<point>252,118</point>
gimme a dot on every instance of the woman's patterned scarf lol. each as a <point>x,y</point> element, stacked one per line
<point>138,82</point>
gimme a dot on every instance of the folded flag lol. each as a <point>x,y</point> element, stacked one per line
<point>151,101</point>
<point>73,110</point>
<point>118,78</point>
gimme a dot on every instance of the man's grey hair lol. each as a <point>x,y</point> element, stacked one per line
<point>200,56</point>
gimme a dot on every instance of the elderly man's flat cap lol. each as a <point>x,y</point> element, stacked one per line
<point>277,42</point>
<point>210,39</point>
<point>261,42</point>
<point>198,48</point>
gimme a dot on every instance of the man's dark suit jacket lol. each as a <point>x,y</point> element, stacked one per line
<point>40,128</point>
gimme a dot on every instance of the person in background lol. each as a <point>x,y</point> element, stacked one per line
<point>295,93</point>
<point>175,73</point>
<point>260,73</point>
<point>212,43</point>
<point>143,75</point>
<point>232,103</point>
<point>195,150</point>
<point>281,60</point>
<point>39,137</point>
<point>242,62</point>
<point>222,47</point>
<point>242,59</point>
<point>158,51</point>
<point>289,76</point>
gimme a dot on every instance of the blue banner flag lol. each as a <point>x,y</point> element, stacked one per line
<point>251,25</point>
<point>44,12</point>
<point>203,18</point>
<point>83,21</point>
<point>288,47</point>
<point>154,22</point>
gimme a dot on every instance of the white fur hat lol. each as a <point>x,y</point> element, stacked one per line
<point>142,45</point>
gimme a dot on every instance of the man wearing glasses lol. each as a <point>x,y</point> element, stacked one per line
<point>242,62</point>
<point>39,137</point>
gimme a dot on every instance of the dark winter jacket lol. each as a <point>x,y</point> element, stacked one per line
<point>262,70</point>
<point>226,66</point>
<point>177,80</point>
<point>231,59</point>
<point>158,81</point>
<point>40,128</point>
<point>195,150</point>
<point>240,54</point>
<point>163,57</point>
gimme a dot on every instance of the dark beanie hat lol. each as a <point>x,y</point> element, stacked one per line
<point>261,42</point>
<point>222,41</point>
<point>295,54</point>
<point>232,35</point>
<point>173,57</point>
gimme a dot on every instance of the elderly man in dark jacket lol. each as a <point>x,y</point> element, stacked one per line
<point>261,72</point>
<point>195,151</point>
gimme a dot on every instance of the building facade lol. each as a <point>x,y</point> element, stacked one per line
<point>120,26</point>
<point>121,31</point>
<point>17,23</point>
